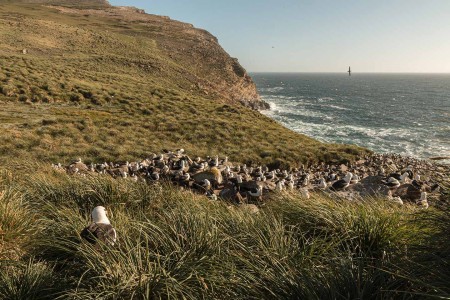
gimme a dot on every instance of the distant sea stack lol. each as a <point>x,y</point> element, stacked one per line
<point>199,58</point>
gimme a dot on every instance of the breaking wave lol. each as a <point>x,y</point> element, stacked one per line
<point>362,111</point>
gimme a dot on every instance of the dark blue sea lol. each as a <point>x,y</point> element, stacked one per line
<point>407,114</point>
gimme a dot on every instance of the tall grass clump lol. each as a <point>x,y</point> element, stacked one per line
<point>16,219</point>
<point>32,280</point>
<point>427,266</point>
<point>176,244</point>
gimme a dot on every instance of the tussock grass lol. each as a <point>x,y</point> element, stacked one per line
<point>31,280</point>
<point>94,90</point>
<point>176,244</point>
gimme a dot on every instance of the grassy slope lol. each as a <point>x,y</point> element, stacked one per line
<point>177,245</point>
<point>97,87</point>
<point>79,92</point>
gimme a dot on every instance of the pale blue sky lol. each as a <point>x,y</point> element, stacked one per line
<point>321,35</point>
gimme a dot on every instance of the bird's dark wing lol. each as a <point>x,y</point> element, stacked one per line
<point>338,185</point>
<point>397,176</point>
<point>99,231</point>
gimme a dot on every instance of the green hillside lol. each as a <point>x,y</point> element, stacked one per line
<point>108,83</point>
<point>84,79</point>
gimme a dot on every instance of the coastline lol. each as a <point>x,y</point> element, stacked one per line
<point>344,116</point>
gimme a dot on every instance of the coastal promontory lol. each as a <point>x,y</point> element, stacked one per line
<point>89,79</point>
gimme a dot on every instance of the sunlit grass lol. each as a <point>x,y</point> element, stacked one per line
<point>176,244</point>
<point>65,99</point>
<point>91,89</point>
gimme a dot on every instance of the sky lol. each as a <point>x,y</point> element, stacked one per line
<point>321,35</point>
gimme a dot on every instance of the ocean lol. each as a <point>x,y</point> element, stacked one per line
<point>407,114</point>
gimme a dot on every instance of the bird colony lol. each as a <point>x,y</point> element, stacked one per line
<point>399,179</point>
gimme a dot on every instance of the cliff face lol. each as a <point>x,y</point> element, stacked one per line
<point>211,70</point>
<point>189,57</point>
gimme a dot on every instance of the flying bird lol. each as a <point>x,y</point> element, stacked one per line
<point>100,229</point>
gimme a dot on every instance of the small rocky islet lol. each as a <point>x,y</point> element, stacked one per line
<point>399,179</point>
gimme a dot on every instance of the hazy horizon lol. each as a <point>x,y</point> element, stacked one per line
<point>353,72</point>
<point>322,36</point>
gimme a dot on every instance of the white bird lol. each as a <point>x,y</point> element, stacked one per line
<point>186,177</point>
<point>280,185</point>
<point>423,202</point>
<point>355,179</point>
<point>417,177</point>
<point>392,182</point>
<point>100,229</point>
<point>305,193</point>
<point>291,185</point>
<point>257,193</point>
<point>322,183</point>
<point>404,178</point>
<point>343,183</point>
<point>395,199</point>
<point>206,184</point>
<point>211,195</point>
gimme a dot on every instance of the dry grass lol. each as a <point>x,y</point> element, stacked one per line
<point>79,93</point>
<point>175,244</point>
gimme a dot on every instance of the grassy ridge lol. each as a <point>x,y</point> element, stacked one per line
<point>107,87</point>
<point>102,87</point>
<point>174,244</point>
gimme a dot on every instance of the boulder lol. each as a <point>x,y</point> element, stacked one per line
<point>250,208</point>
<point>408,192</point>
<point>370,186</point>
<point>230,195</point>
<point>343,168</point>
<point>250,185</point>
<point>212,175</point>
<point>78,166</point>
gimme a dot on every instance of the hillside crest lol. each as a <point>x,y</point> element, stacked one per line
<point>114,83</point>
<point>193,52</point>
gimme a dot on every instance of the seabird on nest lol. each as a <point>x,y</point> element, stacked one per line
<point>422,202</point>
<point>280,185</point>
<point>392,182</point>
<point>291,185</point>
<point>305,193</point>
<point>342,183</point>
<point>256,192</point>
<point>211,195</point>
<point>100,228</point>
<point>322,183</point>
<point>397,199</point>
<point>206,184</point>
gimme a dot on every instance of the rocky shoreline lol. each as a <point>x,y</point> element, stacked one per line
<point>397,178</point>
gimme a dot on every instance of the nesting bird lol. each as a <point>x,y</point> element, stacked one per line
<point>423,202</point>
<point>100,229</point>
<point>322,184</point>
<point>342,183</point>
<point>397,199</point>
<point>392,182</point>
